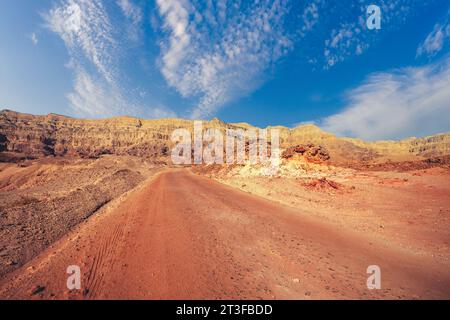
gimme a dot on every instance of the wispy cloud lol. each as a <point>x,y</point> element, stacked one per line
<point>343,42</point>
<point>350,36</point>
<point>397,104</point>
<point>34,39</point>
<point>221,53</point>
<point>134,14</point>
<point>310,17</point>
<point>435,40</point>
<point>211,52</point>
<point>86,29</point>
<point>216,52</point>
<point>131,10</point>
<point>94,47</point>
<point>92,96</point>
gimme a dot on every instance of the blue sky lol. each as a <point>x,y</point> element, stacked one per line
<point>279,62</point>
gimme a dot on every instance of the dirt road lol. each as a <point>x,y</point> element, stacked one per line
<point>182,236</point>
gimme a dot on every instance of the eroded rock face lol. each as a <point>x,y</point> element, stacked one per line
<point>53,135</point>
<point>28,136</point>
<point>310,152</point>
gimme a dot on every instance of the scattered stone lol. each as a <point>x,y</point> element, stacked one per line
<point>323,183</point>
<point>310,152</point>
<point>37,290</point>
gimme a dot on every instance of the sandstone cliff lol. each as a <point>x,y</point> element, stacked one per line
<point>29,136</point>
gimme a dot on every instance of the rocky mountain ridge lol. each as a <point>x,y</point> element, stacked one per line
<point>29,136</point>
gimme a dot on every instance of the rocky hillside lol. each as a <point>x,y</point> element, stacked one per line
<point>29,136</point>
<point>41,200</point>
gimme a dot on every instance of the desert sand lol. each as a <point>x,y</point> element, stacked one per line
<point>101,197</point>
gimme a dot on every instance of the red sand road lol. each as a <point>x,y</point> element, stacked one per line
<point>182,236</point>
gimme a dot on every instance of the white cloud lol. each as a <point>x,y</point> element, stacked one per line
<point>398,104</point>
<point>93,96</point>
<point>212,52</point>
<point>94,47</point>
<point>218,62</point>
<point>351,36</point>
<point>130,10</point>
<point>343,42</point>
<point>176,15</point>
<point>134,14</point>
<point>310,17</point>
<point>85,27</point>
<point>34,39</point>
<point>434,42</point>
<point>303,123</point>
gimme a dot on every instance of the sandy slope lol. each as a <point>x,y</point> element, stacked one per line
<point>42,200</point>
<point>184,236</point>
<point>406,209</point>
